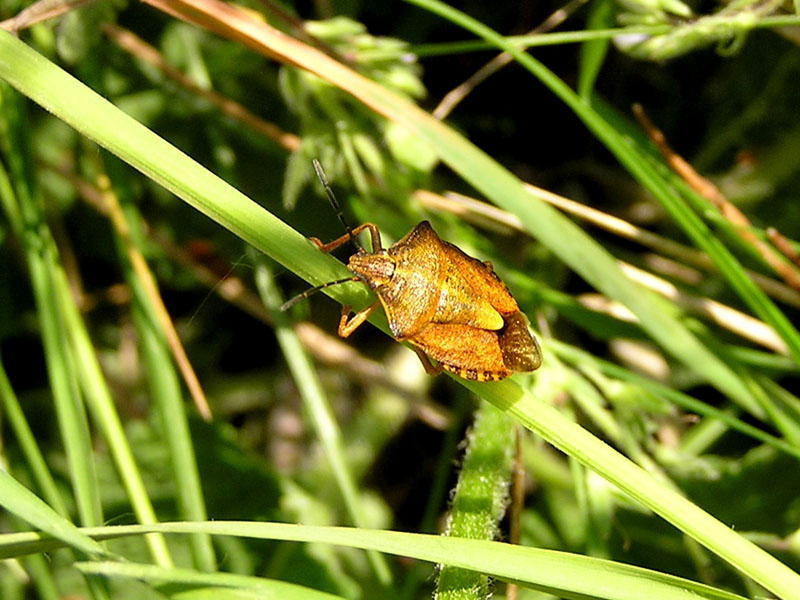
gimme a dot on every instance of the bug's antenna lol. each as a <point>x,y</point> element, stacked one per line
<point>324,180</point>
<point>303,295</point>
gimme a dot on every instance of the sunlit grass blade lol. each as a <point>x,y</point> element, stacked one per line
<point>560,573</point>
<point>101,405</point>
<point>580,357</point>
<point>72,364</point>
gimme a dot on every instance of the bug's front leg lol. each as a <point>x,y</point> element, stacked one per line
<point>348,325</point>
<point>375,236</point>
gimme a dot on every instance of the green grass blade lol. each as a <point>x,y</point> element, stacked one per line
<point>101,405</point>
<point>20,501</point>
<point>560,573</point>
<point>571,438</point>
<point>42,578</point>
<point>553,38</point>
<point>579,358</point>
<point>167,398</point>
<point>12,411</point>
<point>594,52</point>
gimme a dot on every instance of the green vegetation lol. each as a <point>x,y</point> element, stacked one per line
<point>168,432</point>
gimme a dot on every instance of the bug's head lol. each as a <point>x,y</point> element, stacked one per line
<point>374,269</point>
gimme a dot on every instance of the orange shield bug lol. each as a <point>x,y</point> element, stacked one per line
<point>449,306</point>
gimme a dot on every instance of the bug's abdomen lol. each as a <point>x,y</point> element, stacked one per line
<point>468,352</point>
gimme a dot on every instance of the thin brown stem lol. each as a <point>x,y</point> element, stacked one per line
<point>40,11</point>
<point>136,46</point>
<point>711,193</point>
<point>783,244</point>
<point>145,275</point>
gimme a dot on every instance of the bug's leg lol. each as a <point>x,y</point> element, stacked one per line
<point>330,245</point>
<point>373,231</point>
<point>348,325</point>
<point>426,362</point>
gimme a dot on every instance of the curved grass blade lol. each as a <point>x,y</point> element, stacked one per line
<point>559,573</point>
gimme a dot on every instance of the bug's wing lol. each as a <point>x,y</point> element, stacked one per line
<point>481,278</point>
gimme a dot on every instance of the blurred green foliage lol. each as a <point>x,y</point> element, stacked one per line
<point>733,114</point>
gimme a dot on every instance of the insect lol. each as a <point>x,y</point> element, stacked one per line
<point>449,306</point>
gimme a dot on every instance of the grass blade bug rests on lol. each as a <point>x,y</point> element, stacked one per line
<point>447,305</point>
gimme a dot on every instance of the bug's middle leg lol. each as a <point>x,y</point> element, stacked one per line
<point>429,367</point>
